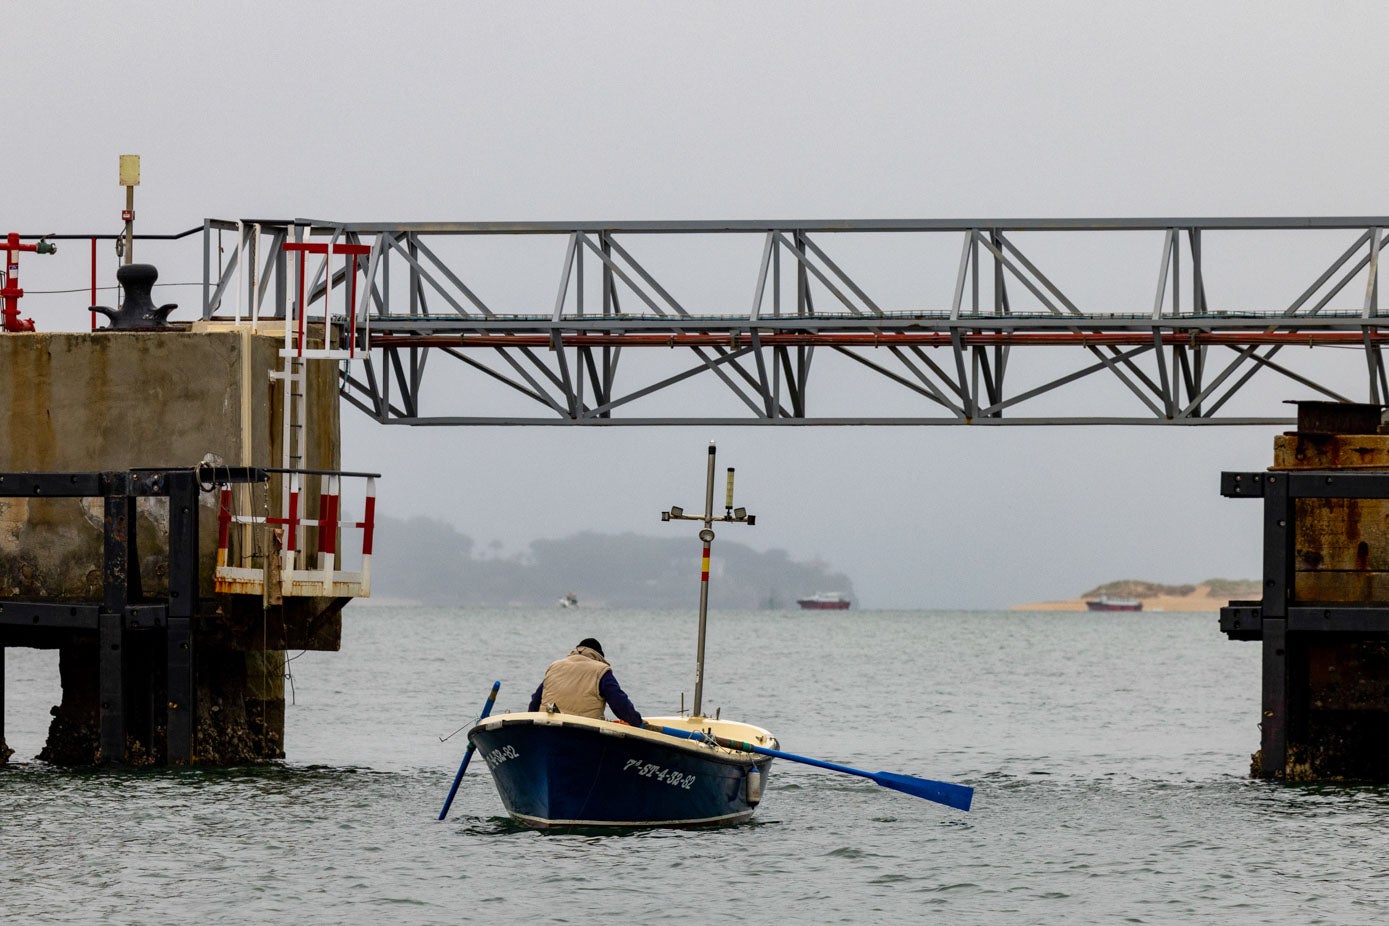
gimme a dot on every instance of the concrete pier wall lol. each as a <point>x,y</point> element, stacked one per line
<point>118,400</point>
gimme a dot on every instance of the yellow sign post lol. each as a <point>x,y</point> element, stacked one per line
<point>130,179</point>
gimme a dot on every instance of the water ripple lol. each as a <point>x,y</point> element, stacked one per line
<point>1109,783</point>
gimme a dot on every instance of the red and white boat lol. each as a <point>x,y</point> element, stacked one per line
<point>825,601</point>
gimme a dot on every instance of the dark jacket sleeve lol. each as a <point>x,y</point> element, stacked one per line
<point>535,698</point>
<point>617,699</point>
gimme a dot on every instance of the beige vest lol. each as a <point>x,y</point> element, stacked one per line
<point>571,683</point>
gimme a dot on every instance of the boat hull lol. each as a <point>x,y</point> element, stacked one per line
<point>823,604</point>
<point>1114,605</point>
<point>557,770</point>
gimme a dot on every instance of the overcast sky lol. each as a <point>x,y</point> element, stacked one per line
<point>613,111</point>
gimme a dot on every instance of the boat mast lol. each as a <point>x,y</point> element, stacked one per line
<point>707,536</point>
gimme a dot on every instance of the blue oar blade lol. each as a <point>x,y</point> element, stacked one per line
<point>942,792</point>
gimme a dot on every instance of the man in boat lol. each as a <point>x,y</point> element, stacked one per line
<point>582,683</point>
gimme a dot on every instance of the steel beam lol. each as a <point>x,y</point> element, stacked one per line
<point>180,690</point>
<point>183,543</point>
<point>15,613</point>
<point>117,537</point>
<point>1273,725</point>
<point>111,687</point>
<point>552,355</point>
<point>1280,531</point>
<point>712,226</point>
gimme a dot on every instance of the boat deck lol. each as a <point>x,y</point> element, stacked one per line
<point>728,729</point>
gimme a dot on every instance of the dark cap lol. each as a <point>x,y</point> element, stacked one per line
<point>592,644</point>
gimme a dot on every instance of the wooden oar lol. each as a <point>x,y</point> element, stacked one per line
<point>942,792</point>
<point>468,753</point>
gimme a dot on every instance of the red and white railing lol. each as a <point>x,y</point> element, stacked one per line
<point>285,567</point>
<point>297,329</point>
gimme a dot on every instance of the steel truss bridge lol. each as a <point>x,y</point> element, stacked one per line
<point>978,331</point>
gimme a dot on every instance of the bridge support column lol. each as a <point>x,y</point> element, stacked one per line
<point>111,685</point>
<point>1324,619</point>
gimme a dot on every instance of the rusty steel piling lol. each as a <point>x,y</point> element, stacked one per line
<point>1323,620</point>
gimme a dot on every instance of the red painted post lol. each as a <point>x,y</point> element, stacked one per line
<point>369,518</point>
<point>303,248</point>
<point>11,292</point>
<point>93,302</point>
<point>224,516</point>
<point>355,250</point>
<point>292,536</point>
<point>328,519</point>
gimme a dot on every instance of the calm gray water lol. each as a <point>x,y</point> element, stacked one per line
<point>1109,755</point>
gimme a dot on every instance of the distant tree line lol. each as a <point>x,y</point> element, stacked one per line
<point>1138,588</point>
<point>430,561</point>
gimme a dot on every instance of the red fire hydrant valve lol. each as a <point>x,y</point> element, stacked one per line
<point>10,291</point>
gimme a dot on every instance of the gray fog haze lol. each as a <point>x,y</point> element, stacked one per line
<point>621,111</point>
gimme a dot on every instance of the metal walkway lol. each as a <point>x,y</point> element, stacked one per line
<point>941,322</point>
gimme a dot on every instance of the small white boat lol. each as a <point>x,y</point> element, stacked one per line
<point>824,601</point>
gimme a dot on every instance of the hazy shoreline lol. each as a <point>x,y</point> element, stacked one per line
<point>1199,600</point>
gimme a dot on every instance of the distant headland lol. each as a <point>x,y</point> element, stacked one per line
<point>426,561</point>
<point>1210,595</point>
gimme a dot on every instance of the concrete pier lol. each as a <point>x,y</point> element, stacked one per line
<point>138,411</point>
<point>1323,621</point>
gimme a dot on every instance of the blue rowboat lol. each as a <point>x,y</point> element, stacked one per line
<point>555,769</point>
<point>562,770</point>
